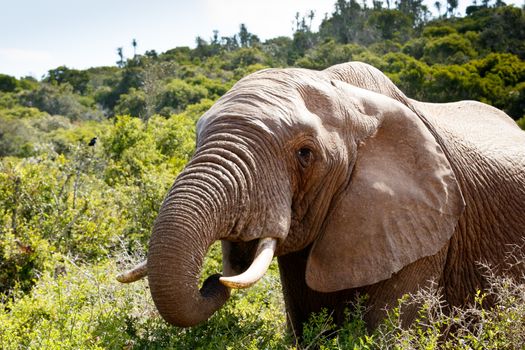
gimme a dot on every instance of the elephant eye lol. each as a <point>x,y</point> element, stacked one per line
<point>305,156</point>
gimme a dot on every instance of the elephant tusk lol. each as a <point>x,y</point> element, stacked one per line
<point>259,266</point>
<point>136,273</point>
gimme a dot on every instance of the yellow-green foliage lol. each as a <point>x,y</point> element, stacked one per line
<point>71,308</point>
<point>83,201</point>
<point>79,306</point>
<point>521,123</point>
<point>72,214</point>
<point>83,307</point>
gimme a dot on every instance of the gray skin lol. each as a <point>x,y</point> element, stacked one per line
<point>366,191</point>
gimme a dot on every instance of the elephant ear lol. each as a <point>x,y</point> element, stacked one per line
<point>402,202</point>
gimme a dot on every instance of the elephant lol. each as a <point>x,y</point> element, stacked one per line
<point>354,187</point>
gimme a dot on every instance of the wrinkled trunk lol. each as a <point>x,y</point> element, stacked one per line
<point>216,197</point>
<point>188,223</point>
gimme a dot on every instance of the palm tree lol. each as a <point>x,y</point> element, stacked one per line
<point>437,5</point>
<point>120,53</point>
<point>452,6</point>
<point>134,44</point>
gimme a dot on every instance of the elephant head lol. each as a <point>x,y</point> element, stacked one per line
<point>289,158</point>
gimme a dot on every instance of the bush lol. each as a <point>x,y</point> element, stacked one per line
<point>177,95</point>
<point>62,101</point>
<point>81,202</point>
<point>450,49</point>
<point>77,307</point>
<point>80,306</point>
<point>133,103</point>
<point>8,83</point>
<point>521,123</point>
<point>328,54</point>
<point>24,131</point>
<point>53,205</point>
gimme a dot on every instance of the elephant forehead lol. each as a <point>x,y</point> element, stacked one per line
<point>261,105</point>
<point>243,111</point>
<point>278,100</point>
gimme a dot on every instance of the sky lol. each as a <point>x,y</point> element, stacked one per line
<point>39,35</point>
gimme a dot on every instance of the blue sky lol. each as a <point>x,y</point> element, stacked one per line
<point>38,35</point>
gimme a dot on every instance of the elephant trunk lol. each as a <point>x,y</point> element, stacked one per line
<point>216,197</point>
<point>187,224</point>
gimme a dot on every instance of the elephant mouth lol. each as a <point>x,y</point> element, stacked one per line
<point>244,263</point>
<point>237,256</point>
<point>262,257</point>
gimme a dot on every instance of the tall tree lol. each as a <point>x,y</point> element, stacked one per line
<point>437,5</point>
<point>244,36</point>
<point>134,44</point>
<point>120,54</point>
<point>414,8</point>
<point>78,79</point>
<point>452,5</point>
<point>377,5</point>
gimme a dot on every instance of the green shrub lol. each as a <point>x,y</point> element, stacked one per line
<point>431,31</point>
<point>133,103</point>
<point>8,83</point>
<point>521,123</point>
<point>62,101</point>
<point>75,307</point>
<point>450,49</point>
<point>177,95</point>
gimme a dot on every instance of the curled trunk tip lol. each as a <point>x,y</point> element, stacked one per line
<point>135,274</point>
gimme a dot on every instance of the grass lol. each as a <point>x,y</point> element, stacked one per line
<point>83,307</point>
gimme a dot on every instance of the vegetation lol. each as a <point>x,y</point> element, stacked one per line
<point>72,215</point>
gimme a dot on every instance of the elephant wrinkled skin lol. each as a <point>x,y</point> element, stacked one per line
<point>356,189</point>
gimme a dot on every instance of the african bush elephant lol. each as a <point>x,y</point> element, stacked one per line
<point>354,187</point>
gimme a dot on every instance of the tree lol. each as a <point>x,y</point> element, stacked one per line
<point>78,79</point>
<point>230,43</point>
<point>244,35</point>
<point>177,95</point>
<point>452,5</point>
<point>133,103</point>
<point>303,37</point>
<point>449,49</point>
<point>247,39</point>
<point>415,9</point>
<point>8,83</point>
<point>120,54</point>
<point>502,30</point>
<point>437,5</point>
<point>346,22</point>
<point>280,50</point>
<point>391,25</point>
<point>151,54</point>
<point>203,48</point>
<point>60,100</point>
<point>134,44</point>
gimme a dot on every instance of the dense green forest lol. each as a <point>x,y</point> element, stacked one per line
<point>72,215</point>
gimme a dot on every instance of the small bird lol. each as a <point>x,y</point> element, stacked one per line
<point>92,142</point>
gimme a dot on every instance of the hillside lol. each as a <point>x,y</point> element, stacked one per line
<point>73,214</point>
